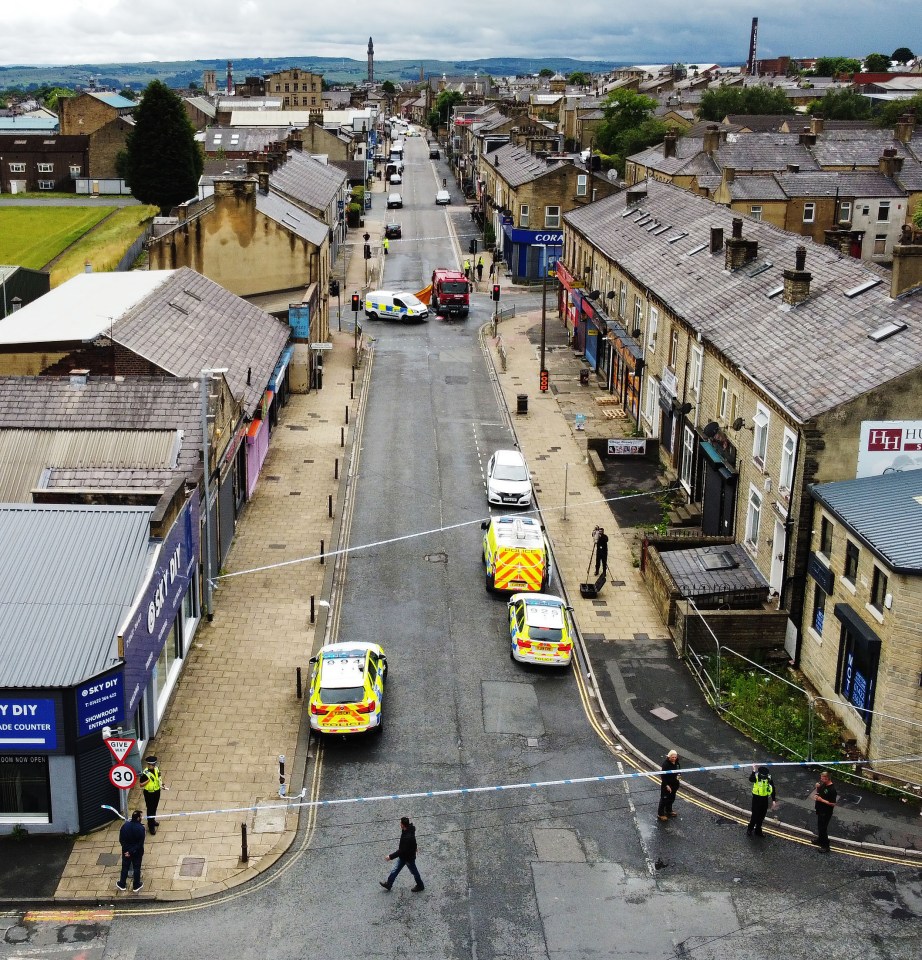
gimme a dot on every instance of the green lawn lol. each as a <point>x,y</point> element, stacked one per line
<point>32,236</point>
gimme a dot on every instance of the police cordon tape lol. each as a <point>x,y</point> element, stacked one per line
<point>502,788</point>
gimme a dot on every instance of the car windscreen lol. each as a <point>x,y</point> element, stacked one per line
<point>342,694</point>
<point>454,286</point>
<point>510,471</point>
<point>545,634</point>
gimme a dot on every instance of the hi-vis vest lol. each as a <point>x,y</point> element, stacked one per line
<point>762,788</point>
<point>153,782</point>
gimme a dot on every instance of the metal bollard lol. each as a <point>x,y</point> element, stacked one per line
<point>300,690</point>
<point>321,552</point>
<point>336,469</point>
<point>347,414</point>
<point>342,436</point>
<point>330,505</point>
<point>351,391</point>
<point>312,608</point>
<point>282,786</point>
<point>244,851</point>
<point>353,373</point>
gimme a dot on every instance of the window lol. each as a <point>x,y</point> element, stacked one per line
<point>880,243</point>
<point>46,168</point>
<point>753,515</point>
<point>17,168</point>
<point>723,388</point>
<point>651,329</point>
<point>25,793</point>
<point>826,528</point>
<point>46,184</point>
<point>809,212</point>
<point>673,348</point>
<point>523,214</point>
<point>622,300</point>
<point>734,407</point>
<point>688,458</point>
<point>755,212</point>
<point>652,401</point>
<point>845,211</point>
<point>638,312</point>
<point>883,211</point>
<point>286,91</point>
<point>879,590</point>
<point>852,553</point>
<point>786,475</point>
<point>551,217</point>
<point>819,608</point>
<point>277,88</point>
<point>697,366</point>
<point>760,435</point>
<point>582,185</point>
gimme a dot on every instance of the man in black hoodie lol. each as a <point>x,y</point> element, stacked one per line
<point>405,855</point>
<point>131,837</point>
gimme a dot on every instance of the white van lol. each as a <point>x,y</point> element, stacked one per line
<point>392,305</point>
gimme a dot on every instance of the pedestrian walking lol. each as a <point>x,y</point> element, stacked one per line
<point>763,793</point>
<point>601,550</point>
<point>669,786</point>
<point>387,246</point>
<point>825,801</point>
<point>151,785</point>
<point>467,268</point>
<point>480,268</point>
<point>492,269</point>
<point>131,837</point>
<point>405,855</point>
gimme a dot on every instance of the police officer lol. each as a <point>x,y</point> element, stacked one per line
<point>467,268</point>
<point>763,793</point>
<point>387,246</point>
<point>151,785</point>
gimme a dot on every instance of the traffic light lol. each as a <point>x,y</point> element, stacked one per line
<point>544,381</point>
<point>356,301</point>
<point>367,251</point>
<point>496,291</point>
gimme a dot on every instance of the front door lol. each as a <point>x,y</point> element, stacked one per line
<point>779,543</point>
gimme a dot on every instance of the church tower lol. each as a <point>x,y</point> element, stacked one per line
<point>371,62</point>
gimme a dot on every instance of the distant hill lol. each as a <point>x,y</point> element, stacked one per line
<point>336,70</point>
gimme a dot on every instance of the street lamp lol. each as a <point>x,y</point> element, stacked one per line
<point>208,375</point>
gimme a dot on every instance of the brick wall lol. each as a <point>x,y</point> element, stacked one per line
<point>748,632</point>
<point>84,114</point>
<point>105,145</point>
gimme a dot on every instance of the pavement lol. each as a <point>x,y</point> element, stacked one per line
<point>236,710</point>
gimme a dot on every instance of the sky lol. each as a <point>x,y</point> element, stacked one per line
<point>656,31</point>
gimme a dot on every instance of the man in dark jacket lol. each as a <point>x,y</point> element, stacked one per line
<point>131,837</point>
<point>763,793</point>
<point>405,855</point>
<point>669,786</point>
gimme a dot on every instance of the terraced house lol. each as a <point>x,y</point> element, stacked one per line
<point>757,366</point>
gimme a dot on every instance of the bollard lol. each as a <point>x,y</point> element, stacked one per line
<point>353,373</point>
<point>300,691</point>
<point>336,469</point>
<point>244,852</point>
<point>282,786</point>
<point>342,436</point>
<point>351,391</point>
<point>347,414</point>
<point>321,552</point>
<point>312,608</point>
<point>330,505</point>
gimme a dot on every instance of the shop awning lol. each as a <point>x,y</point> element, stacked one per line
<point>867,640</point>
<point>713,454</point>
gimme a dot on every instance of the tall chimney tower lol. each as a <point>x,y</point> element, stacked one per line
<point>230,79</point>
<point>753,41</point>
<point>371,62</point>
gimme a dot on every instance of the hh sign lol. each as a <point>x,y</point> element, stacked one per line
<point>889,446</point>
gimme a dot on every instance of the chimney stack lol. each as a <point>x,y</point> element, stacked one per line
<point>907,267</point>
<point>711,139</point>
<point>807,139</point>
<point>637,195</point>
<point>729,174</point>
<point>797,281</point>
<point>739,251</point>
<point>669,144</point>
<point>78,378</point>
<point>889,163</point>
<point>717,239</point>
<point>904,128</point>
<point>816,125</point>
<point>793,168</point>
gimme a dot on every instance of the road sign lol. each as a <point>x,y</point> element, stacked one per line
<point>122,777</point>
<point>321,346</point>
<point>119,747</point>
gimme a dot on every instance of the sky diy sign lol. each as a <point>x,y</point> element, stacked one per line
<point>28,725</point>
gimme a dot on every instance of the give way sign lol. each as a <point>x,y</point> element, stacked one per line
<point>119,748</point>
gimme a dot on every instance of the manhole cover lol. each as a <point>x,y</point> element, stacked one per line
<point>192,867</point>
<point>664,713</point>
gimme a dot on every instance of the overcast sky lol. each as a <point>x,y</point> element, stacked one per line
<point>657,31</point>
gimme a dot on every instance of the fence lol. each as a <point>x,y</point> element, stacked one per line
<point>134,251</point>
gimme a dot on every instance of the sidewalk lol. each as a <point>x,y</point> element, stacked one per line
<point>632,655</point>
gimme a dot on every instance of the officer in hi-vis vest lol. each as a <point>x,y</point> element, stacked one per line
<point>151,785</point>
<point>763,792</point>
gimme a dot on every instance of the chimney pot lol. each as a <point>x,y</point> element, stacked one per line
<point>800,258</point>
<point>78,378</point>
<point>737,228</point>
<point>717,239</point>
<point>87,267</point>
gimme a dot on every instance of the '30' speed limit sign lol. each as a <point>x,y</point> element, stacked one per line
<point>122,776</point>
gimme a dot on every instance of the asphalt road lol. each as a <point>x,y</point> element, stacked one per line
<point>572,873</point>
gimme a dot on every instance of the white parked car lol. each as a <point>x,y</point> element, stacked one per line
<point>394,201</point>
<point>508,479</point>
<point>443,196</point>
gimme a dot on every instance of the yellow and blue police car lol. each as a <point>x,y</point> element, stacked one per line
<point>540,629</point>
<point>347,688</point>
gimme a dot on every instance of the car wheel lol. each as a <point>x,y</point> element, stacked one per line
<point>371,315</point>
<point>465,312</point>
<point>380,727</point>
<point>489,582</point>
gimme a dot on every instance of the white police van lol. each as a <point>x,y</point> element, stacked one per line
<point>392,305</point>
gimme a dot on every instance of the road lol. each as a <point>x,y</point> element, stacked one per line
<point>570,873</point>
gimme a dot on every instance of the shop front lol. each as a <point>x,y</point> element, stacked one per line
<point>569,297</point>
<point>626,369</point>
<point>596,329</point>
<point>530,254</point>
<point>717,482</point>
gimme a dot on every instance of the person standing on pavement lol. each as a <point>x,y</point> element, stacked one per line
<point>825,796</point>
<point>601,550</point>
<point>669,786</point>
<point>131,837</point>
<point>763,793</point>
<point>151,785</point>
<point>405,855</point>
<point>467,268</point>
<point>492,269</point>
<point>387,246</point>
<point>480,268</point>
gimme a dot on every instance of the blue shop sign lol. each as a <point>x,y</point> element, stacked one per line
<point>27,724</point>
<point>152,617</point>
<point>299,318</point>
<point>552,238</point>
<point>100,703</point>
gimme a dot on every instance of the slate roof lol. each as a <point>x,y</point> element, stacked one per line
<point>43,143</point>
<point>829,183</point>
<point>855,148</point>
<point>516,165</point>
<point>764,151</point>
<point>102,478</point>
<point>242,139</point>
<point>811,358</point>
<point>308,181</point>
<point>292,217</point>
<point>203,105</point>
<point>756,188</point>
<point>65,597</point>
<point>765,122</point>
<point>884,511</point>
<point>910,177</point>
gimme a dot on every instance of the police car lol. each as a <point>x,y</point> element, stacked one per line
<point>393,305</point>
<point>347,688</point>
<point>540,629</point>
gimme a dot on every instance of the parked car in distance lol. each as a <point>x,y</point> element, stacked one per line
<point>508,480</point>
<point>443,196</point>
<point>392,231</point>
<point>394,201</point>
<point>434,153</point>
<point>396,178</point>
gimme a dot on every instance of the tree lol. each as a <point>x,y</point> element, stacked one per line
<point>841,105</point>
<point>717,104</point>
<point>578,79</point>
<point>53,95</point>
<point>388,88</point>
<point>833,66</point>
<point>128,93</point>
<point>902,55</point>
<point>877,63</point>
<point>545,72</point>
<point>443,104</point>
<point>161,162</point>
<point>628,126</point>
<point>890,114</point>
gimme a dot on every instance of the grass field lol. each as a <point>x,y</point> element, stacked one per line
<point>32,236</point>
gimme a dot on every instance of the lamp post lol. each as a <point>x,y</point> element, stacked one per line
<point>208,375</point>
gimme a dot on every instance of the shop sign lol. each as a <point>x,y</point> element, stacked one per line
<point>152,617</point>
<point>27,724</point>
<point>889,446</point>
<point>551,238</point>
<point>100,703</point>
<point>299,319</point>
<point>627,447</point>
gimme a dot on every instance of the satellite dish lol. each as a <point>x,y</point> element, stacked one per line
<point>711,429</point>
<point>738,423</point>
